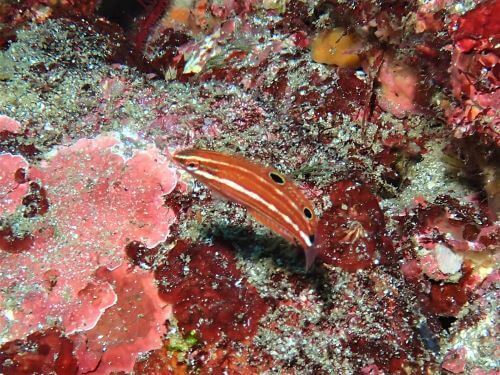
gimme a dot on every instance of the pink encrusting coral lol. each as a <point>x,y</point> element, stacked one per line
<point>133,325</point>
<point>10,125</point>
<point>98,203</point>
<point>11,189</point>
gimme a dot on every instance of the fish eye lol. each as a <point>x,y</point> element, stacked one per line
<point>308,213</point>
<point>192,165</point>
<point>276,177</point>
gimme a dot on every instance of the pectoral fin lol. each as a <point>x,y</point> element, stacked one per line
<point>311,253</point>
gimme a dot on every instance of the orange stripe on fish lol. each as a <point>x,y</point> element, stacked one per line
<point>269,197</point>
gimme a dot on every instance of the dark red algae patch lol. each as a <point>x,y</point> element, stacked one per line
<point>209,294</point>
<point>46,352</point>
<point>351,234</point>
<point>34,203</point>
<point>140,255</point>
<point>13,243</point>
<point>448,299</point>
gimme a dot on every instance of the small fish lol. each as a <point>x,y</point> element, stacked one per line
<point>268,196</point>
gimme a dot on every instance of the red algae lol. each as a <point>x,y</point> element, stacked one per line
<point>35,202</point>
<point>15,15</point>
<point>208,293</point>
<point>153,13</point>
<point>474,72</point>
<point>14,242</point>
<point>40,353</point>
<point>448,299</point>
<point>351,233</point>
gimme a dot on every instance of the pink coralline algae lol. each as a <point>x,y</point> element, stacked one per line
<point>9,125</point>
<point>399,88</point>
<point>12,190</point>
<point>475,76</point>
<point>133,325</point>
<point>97,203</point>
<point>454,361</point>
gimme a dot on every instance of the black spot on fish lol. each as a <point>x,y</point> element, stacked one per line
<point>277,178</point>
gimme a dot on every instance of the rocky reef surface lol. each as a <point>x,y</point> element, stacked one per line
<point>114,261</point>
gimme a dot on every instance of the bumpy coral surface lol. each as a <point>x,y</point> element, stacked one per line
<point>113,260</point>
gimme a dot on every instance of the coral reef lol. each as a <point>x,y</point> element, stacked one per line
<point>112,260</point>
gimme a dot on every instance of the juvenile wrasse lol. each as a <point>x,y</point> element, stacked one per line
<point>269,197</point>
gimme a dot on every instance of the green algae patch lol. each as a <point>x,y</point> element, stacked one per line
<point>178,343</point>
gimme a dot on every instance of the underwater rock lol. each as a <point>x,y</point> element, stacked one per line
<point>456,252</point>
